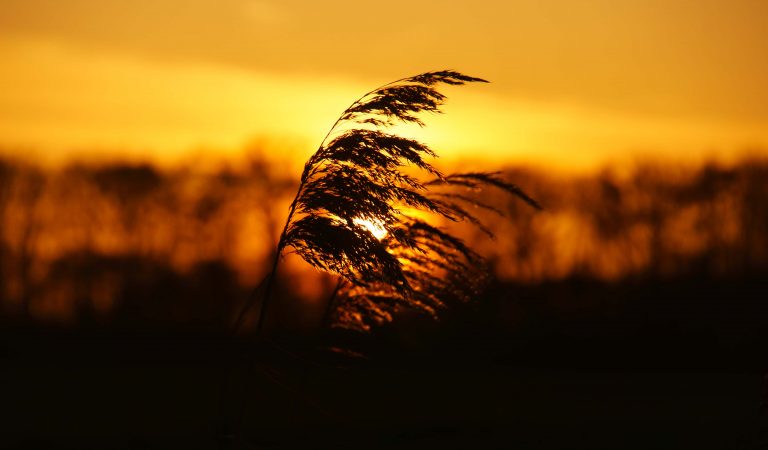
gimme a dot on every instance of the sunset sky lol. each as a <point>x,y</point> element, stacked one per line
<point>574,84</point>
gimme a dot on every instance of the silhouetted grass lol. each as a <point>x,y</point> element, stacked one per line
<point>355,177</point>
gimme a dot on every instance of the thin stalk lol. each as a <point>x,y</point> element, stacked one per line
<point>267,293</point>
<point>249,303</point>
<point>269,279</point>
<point>326,321</point>
<point>273,272</point>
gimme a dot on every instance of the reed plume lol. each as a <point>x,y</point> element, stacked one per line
<point>357,179</point>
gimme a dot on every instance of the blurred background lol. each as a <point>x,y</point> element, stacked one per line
<point>654,254</point>
<point>149,151</point>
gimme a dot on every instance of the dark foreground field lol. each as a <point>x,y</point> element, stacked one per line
<point>162,401</point>
<point>586,379</point>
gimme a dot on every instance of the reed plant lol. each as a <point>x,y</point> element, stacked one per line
<point>363,205</point>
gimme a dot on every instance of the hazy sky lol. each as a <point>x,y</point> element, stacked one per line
<point>573,83</point>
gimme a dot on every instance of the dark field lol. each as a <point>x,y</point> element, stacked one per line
<point>629,314</point>
<point>177,404</point>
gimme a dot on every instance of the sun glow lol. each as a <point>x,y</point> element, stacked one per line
<point>374,227</point>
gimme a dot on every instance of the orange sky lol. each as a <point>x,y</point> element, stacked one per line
<point>574,84</point>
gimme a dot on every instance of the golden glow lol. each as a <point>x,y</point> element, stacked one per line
<point>573,86</point>
<point>373,227</point>
<point>611,227</point>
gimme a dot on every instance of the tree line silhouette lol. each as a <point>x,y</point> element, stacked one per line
<point>101,241</point>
